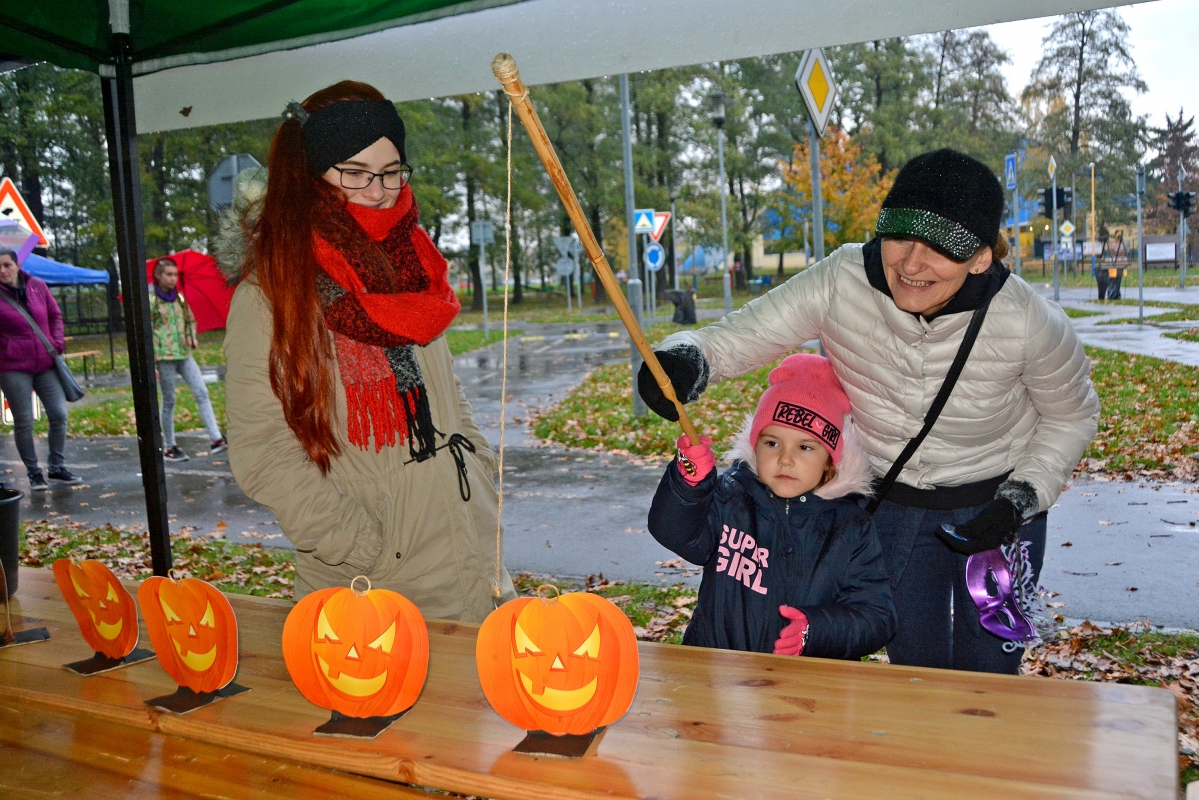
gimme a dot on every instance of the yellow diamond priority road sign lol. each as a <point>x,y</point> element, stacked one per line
<point>815,81</point>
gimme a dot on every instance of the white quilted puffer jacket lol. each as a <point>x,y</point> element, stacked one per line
<point>1024,402</point>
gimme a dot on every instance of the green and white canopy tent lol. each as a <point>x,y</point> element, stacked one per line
<point>167,64</point>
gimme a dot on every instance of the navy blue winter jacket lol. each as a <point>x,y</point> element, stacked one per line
<point>760,552</point>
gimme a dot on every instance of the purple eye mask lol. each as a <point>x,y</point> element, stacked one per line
<point>989,580</point>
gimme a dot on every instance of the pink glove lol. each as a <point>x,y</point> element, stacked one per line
<point>793,637</point>
<point>695,461</point>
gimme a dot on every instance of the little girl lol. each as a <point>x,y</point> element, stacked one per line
<point>792,565</point>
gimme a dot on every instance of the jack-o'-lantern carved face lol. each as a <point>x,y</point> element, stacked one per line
<point>193,630</point>
<point>106,613</point>
<point>560,671</point>
<point>561,665</point>
<point>361,653</point>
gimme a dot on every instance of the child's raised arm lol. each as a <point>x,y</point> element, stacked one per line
<point>679,517</point>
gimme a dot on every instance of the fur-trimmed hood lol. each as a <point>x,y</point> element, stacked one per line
<point>853,474</point>
<point>230,245</point>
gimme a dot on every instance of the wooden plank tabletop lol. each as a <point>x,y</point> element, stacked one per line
<point>705,723</point>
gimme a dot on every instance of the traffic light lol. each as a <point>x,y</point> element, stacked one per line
<point>1045,204</point>
<point>1184,202</point>
<point>1065,200</point>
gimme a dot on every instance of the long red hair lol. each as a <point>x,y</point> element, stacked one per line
<point>283,262</point>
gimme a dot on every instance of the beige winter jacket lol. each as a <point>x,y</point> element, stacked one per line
<point>403,525</point>
<point>1024,402</point>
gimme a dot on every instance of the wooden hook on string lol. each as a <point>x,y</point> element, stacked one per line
<point>504,67</point>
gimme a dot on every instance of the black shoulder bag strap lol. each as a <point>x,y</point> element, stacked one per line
<point>934,411</point>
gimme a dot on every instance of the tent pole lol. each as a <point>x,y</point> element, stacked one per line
<point>121,129</point>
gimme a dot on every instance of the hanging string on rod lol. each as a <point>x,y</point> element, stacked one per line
<point>497,582</point>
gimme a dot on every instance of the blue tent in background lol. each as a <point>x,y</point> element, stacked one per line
<point>56,274</point>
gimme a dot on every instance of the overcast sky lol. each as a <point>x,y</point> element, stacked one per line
<point>1164,37</point>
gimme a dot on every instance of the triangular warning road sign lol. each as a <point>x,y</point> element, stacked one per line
<point>12,206</point>
<point>660,220</point>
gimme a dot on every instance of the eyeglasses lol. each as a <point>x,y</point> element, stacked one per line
<point>352,178</point>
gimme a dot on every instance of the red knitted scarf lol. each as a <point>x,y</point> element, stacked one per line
<point>383,288</point>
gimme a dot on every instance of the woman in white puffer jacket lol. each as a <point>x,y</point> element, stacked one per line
<point>891,316</point>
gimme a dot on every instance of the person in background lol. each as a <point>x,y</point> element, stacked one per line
<point>26,367</point>
<point>174,340</point>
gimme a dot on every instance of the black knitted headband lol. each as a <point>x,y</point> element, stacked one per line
<point>339,130</point>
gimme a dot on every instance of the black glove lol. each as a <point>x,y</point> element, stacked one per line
<point>994,526</point>
<point>684,374</point>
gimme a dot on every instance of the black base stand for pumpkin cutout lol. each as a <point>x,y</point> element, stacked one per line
<point>356,727</point>
<point>185,700</point>
<point>540,743</point>
<point>15,638</point>
<point>102,663</point>
<point>9,637</point>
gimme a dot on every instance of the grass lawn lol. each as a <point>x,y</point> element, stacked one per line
<point>658,613</point>
<point>1189,335</point>
<point>1180,314</point>
<point>1031,271</point>
<point>1150,411</point>
<point>1078,313</point>
<point>109,412</point>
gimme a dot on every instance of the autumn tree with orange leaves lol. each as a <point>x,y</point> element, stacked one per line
<point>853,185</point>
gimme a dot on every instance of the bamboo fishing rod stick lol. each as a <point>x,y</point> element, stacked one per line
<point>504,67</point>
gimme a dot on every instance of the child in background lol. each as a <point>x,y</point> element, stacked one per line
<point>175,338</point>
<point>792,564</point>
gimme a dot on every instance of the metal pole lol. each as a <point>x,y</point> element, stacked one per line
<point>1016,218</point>
<point>1073,218</point>
<point>674,247</point>
<point>724,227</point>
<point>1092,223</point>
<point>1140,249</point>
<point>643,273</point>
<point>1182,234</point>
<point>120,126</point>
<point>578,280</point>
<point>633,287</point>
<point>1057,296</point>
<point>817,195</point>
<point>483,286</point>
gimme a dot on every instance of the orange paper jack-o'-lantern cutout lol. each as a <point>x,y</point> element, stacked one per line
<point>563,665</point>
<point>105,611</point>
<point>360,653</point>
<point>193,630</point>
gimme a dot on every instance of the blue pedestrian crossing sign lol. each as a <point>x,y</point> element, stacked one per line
<point>1009,170</point>
<point>655,256</point>
<point>643,220</point>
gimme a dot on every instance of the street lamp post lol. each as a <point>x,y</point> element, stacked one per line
<point>718,120</point>
<point>634,283</point>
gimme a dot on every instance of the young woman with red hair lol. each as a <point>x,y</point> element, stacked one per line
<point>345,416</point>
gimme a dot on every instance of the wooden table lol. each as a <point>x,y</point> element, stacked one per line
<point>705,723</point>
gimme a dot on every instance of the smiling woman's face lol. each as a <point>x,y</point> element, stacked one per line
<point>922,280</point>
